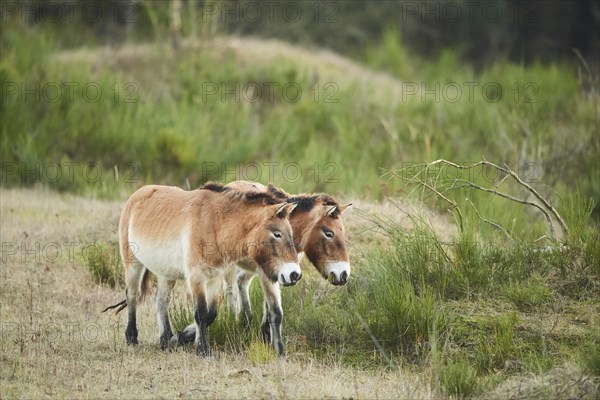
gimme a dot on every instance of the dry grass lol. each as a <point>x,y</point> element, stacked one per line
<point>559,383</point>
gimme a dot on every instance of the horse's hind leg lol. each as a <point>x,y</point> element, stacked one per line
<point>187,335</point>
<point>273,313</point>
<point>133,276</point>
<point>163,297</point>
<point>243,282</point>
<point>265,325</point>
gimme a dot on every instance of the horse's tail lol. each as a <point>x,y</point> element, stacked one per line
<point>145,285</point>
<point>119,306</point>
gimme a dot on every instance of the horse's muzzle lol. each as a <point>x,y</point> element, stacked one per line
<point>290,274</point>
<point>294,278</point>
<point>342,280</point>
<point>338,273</point>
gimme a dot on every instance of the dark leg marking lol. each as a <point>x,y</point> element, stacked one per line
<point>265,327</point>
<point>276,318</point>
<point>204,316</point>
<point>187,335</point>
<point>165,338</point>
<point>131,332</point>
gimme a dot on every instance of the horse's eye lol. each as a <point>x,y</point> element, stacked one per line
<point>277,235</point>
<point>328,234</point>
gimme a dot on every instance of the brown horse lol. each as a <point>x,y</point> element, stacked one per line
<point>200,236</point>
<point>318,233</point>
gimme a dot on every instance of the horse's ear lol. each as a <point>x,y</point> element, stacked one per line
<point>345,208</point>
<point>342,209</point>
<point>291,207</point>
<point>283,210</point>
<point>331,211</point>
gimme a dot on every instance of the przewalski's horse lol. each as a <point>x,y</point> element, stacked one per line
<point>318,233</point>
<point>200,236</point>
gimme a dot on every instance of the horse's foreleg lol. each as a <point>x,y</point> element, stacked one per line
<point>273,313</point>
<point>205,312</point>
<point>163,297</point>
<point>204,315</point>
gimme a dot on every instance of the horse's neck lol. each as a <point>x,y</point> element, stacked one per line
<point>302,225</point>
<point>234,231</point>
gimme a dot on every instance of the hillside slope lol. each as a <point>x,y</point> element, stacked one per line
<point>323,64</point>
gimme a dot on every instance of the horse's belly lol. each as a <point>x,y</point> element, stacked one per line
<point>163,259</point>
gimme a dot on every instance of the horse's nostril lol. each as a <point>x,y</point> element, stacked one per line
<point>344,277</point>
<point>295,277</point>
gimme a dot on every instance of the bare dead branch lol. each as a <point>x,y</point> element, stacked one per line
<point>516,177</point>
<point>545,202</point>
<point>545,207</point>
<point>489,221</point>
<point>512,198</point>
<point>453,205</point>
<point>497,185</point>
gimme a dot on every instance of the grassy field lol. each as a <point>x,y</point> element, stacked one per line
<point>391,333</point>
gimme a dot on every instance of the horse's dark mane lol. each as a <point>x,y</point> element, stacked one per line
<point>213,187</point>
<point>278,192</point>
<point>249,197</point>
<point>306,202</point>
<point>264,197</point>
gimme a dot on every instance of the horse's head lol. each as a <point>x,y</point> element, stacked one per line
<point>319,231</point>
<point>273,248</point>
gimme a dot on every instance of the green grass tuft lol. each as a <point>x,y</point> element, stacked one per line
<point>527,295</point>
<point>589,356</point>
<point>496,349</point>
<point>260,353</point>
<point>459,378</point>
<point>104,263</point>
<point>181,315</point>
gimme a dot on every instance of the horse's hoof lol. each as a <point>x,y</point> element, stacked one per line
<point>206,353</point>
<point>132,340</point>
<point>174,341</point>
<point>165,344</point>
